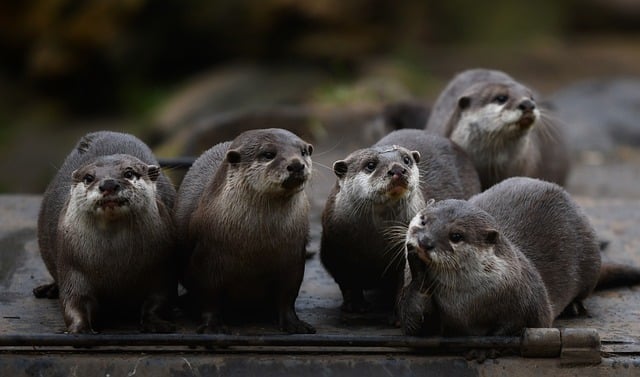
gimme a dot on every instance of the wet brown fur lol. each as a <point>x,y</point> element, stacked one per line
<point>104,268</point>
<point>535,150</point>
<point>547,260</point>
<point>357,246</point>
<point>242,217</point>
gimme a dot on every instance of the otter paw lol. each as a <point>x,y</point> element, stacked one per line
<point>46,291</point>
<point>80,328</point>
<point>481,355</point>
<point>297,327</point>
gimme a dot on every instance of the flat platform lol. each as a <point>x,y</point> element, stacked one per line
<point>261,350</point>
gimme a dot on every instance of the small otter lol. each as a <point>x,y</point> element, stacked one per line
<point>379,189</point>
<point>106,235</point>
<point>495,119</point>
<point>242,217</point>
<point>515,256</point>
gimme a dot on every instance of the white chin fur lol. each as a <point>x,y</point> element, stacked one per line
<point>112,212</point>
<point>490,118</point>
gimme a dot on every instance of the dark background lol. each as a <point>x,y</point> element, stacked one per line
<point>67,67</point>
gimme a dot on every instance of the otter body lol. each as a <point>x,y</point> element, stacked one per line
<point>106,235</point>
<point>379,189</point>
<point>242,217</point>
<point>496,120</point>
<point>514,256</point>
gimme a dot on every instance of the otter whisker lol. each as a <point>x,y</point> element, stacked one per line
<point>329,168</point>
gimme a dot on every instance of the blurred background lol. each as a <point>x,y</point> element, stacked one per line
<point>183,74</point>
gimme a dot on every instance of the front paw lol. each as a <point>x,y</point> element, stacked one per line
<point>80,327</point>
<point>297,327</point>
<point>47,291</point>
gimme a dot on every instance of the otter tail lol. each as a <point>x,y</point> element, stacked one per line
<point>617,275</point>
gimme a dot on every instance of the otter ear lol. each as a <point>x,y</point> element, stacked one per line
<point>340,168</point>
<point>153,172</point>
<point>76,175</point>
<point>310,149</point>
<point>464,102</point>
<point>233,156</point>
<point>431,202</point>
<point>416,156</point>
<point>492,236</point>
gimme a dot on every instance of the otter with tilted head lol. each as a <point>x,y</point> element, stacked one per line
<point>378,191</point>
<point>106,235</point>
<point>497,121</point>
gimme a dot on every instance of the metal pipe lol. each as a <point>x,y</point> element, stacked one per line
<point>573,346</point>
<point>220,340</point>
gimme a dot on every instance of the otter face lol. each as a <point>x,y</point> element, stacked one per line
<point>380,175</point>
<point>491,109</point>
<point>456,241</point>
<point>112,187</point>
<point>271,161</point>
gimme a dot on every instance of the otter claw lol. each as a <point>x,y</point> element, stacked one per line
<point>298,327</point>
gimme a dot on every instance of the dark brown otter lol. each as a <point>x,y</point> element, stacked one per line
<point>496,120</point>
<point>378,191</point>
<point>242,217</point>
<point>515,256</point>
<point>106,234</point>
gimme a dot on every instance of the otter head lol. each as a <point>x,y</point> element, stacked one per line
<point>112,187</point>
<point>270,161</point>
<point>455,240</point>
<point>494,111</point>
<point>380,175</point>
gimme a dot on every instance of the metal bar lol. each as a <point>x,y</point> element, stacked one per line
<point>215,340</point>
<point>573,346</point>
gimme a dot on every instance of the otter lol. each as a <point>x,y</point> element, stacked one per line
<point>106,235</point>
<point>378,190</point>
<point>242,220</point>
<point>517,255</point>
<point>496,120</point>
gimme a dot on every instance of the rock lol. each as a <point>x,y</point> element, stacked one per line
<point>600,114</point>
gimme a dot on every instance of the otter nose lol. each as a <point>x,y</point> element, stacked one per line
<point>527,105</point>
<point>426,243</point>
<point>397,170</point>
<point>109,186</point>
<point>295,167</point>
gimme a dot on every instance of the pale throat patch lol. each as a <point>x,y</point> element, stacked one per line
<point>357,187</point>
<point>477,267</point>
<point>487,119</point>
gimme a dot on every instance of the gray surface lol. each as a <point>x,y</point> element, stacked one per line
<point>613,313</point>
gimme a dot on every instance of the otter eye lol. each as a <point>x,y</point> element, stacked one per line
<point>130,174</point>
<point>407,160</point>
<point>371,166</point>
<point>268,155</point>
<point>455,237</point>
<point>88,178</point>
<point>304,152</point>
<point>500,99</point>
